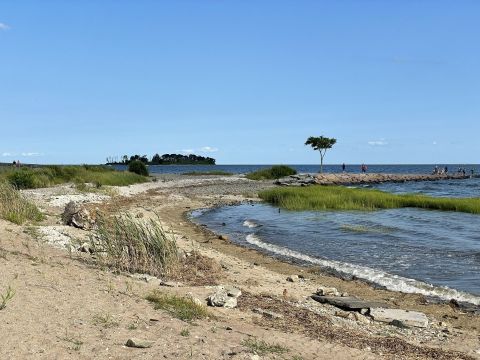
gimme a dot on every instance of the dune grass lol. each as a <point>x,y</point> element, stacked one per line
<point>45,176</point>
<point>274,172</point>
<point>213,172</point>
<point>342,198</point>
<point>135,245</point>
<point>14,207</point>
<point>180,307</point>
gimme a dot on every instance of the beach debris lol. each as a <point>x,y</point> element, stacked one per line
<point>267,314</point>
<point>399,317</point>
<point>224,296</point>
<point>349,302</point>
<point>77,216</point>
<point>223,237</point>
<point>139,343</point>
<point>145,277</point>
<point>170,283</point>
<point>327,291</point>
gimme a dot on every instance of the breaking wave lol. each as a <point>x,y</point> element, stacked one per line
<point>390,281</point>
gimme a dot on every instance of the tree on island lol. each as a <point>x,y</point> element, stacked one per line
<point>322,144</point>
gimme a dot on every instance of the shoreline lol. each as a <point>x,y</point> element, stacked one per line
<point>262,278</point>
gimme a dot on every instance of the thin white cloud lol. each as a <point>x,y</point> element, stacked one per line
<point>7,154</point>
<point>31,154</point>
<point>208,149</point>
<point>4,26</point>
<point>380,142</point>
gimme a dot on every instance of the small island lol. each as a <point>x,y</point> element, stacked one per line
<point>165,159</point>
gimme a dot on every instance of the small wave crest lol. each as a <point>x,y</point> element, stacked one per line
<point>250,224</point>
<point>391,282</point>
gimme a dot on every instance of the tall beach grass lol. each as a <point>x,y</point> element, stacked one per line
<point>45,176</point>
<point>14,207</point>
<point>342,198</point>
<point>135,245</point>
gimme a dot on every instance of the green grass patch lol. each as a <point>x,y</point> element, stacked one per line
<point>261,347</point>
<point>213,172</point>
<point>45,176</point>
<point>180,307</point>
<point>342,198</point>
<point>135,245</point>
<point>14,207</point>
<point>275,172</point>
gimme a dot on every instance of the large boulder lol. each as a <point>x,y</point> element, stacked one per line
<point>224,297</point>
<point>77,216</point>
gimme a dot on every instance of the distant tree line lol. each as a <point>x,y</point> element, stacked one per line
<point>165,159</point>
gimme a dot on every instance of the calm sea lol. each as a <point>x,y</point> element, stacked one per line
<point>430,252</point>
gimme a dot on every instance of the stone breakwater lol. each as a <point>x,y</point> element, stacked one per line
<point>356,179</point>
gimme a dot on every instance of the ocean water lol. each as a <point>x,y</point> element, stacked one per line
<point>411,250</point>
<point>353,168</point>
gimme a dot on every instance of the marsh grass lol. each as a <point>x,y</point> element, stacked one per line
<point>180,307</point>
<point>134,245</point>
<point>342,198</point>
<point>14,207</point>
<point>45,176</point>
<point>214,172</point>
<point>261,347</point>
<point>275,172</point>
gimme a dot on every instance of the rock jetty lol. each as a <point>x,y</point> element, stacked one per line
<point>357,179</point>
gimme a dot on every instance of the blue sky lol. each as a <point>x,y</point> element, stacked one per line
<point>241,81</point>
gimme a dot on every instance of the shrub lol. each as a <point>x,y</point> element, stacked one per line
<point>22,179</point>
<point>135,245</point>
<point>138,167</point>
<point>275,172</point>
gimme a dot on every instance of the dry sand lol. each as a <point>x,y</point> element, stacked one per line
<point>65,306</point>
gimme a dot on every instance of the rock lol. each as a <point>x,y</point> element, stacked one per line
<point>361,318</point>
<point>349,302</point>
<point>233,291</point>
<point>85,248</point>
<point>138,343</point>
<point>267,314</point>
<point>293,278</point>
<point>396,316</point>
<point>223,237</point>
<point>77,216</point>
<point>221,299</point>
<point>327,291</point>
<point>195,300</point>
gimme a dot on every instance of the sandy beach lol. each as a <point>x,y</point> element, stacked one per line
<point>66,306</point>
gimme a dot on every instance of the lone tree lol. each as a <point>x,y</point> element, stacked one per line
<point>321,144</point>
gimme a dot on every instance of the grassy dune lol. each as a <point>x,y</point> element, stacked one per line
<point>342,198</point>
<point>45,176</point>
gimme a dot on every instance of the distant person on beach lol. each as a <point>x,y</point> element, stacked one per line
<point>446,170</point>
<point>343,167</point>
<point>364,168</point>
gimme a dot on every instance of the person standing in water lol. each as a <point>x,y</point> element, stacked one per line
<point>343,167</point>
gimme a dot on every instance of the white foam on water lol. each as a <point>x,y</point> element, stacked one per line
<point>391,282</point>
<point>250,224</point>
